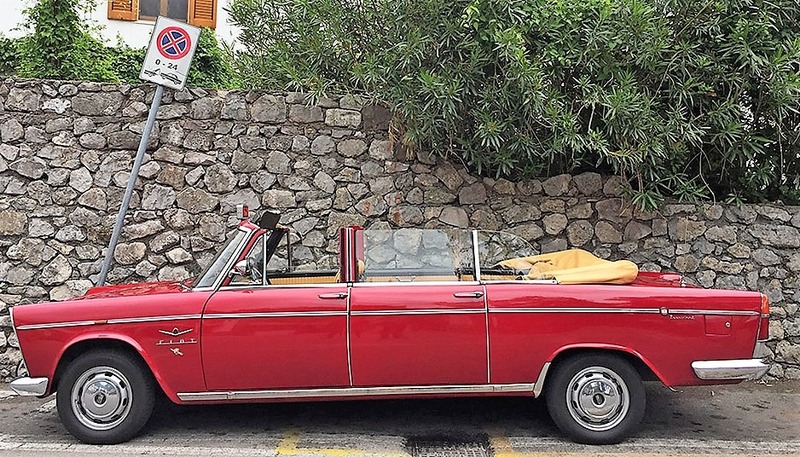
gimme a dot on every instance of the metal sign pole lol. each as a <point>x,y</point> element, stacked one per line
<point>126,199</point>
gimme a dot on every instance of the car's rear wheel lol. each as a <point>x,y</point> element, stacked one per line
<point>595,398</point>
<point>105,397</point>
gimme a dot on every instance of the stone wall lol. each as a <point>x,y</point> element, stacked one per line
<point>67,149</point>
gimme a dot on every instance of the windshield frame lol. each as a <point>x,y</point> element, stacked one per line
<point>237,242</point>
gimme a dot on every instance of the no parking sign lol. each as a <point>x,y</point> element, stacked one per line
<point>166,64</point>
<point>170,53</point>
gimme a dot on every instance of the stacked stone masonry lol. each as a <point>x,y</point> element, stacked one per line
<point>67,149</point>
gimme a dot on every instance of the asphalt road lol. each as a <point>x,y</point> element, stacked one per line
<point>749,419</point>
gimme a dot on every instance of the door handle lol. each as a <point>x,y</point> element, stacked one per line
<point>334,296</point>
<point>468,294</point>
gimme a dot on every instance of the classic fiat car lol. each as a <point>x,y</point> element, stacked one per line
<point>401,313</point>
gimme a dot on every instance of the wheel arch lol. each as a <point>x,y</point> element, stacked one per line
<point>88,343</point>
<point>642,365</point>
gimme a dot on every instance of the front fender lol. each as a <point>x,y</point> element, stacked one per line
<point>95,340</point>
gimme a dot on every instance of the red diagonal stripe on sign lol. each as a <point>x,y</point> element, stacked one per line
<point>173,43</point>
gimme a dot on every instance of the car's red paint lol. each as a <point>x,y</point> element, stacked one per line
<point>305,347</point>
<point>666,343</point>
<point>389,334</point>
<point>135,290</point>
<point>403,334</point>
<point>93,319</point>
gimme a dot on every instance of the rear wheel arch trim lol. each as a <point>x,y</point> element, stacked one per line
<point>601,347</point>
<point>99,339</point>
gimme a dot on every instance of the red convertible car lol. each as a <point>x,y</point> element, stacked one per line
<point>401,313</point>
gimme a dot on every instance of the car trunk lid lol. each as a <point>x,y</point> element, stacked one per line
<point>656,279</point>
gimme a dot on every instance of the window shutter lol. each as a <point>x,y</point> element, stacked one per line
<point>203,13</point>
<point>123,10</point>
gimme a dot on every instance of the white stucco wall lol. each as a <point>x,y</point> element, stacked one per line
<point>134,34</point>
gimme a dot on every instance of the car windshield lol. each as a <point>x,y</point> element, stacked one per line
<point>214,269</point>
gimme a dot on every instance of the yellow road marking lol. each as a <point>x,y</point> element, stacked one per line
<point>288,446</point>
<point>502,446</point>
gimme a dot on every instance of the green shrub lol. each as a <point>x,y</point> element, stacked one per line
<point>688,99</point>
<point>9,56</point>
<point>127,62</point>
<point>61,45</point>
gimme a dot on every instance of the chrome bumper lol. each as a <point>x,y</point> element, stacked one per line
<point>30,386</point>
<point>741,369</point>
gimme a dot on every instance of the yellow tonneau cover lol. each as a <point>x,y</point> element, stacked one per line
<point>574,266</point>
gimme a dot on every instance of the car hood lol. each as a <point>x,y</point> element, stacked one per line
<point>128,290</point>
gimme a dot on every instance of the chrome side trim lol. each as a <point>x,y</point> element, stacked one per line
<point>713,312</point>
<point>741,369</point>
<point>539,386</point>
<point>55,325</point>
<point>127,320</point>
<point>415,283</point>
<point>275,314</point>
<point>30,386</point>
<point>577,310</point>
<point>416,312</point>
<point>345,392</point>
<point>281,286</point>
<point>134,320</point>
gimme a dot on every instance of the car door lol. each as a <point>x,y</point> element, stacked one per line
<point>290,334</point>
<point>418,334</point>
<point>276,337</point>
<point>413,320</point>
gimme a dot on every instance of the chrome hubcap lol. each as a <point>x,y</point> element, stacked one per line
<point>597,398</point>
<point>101,398</point>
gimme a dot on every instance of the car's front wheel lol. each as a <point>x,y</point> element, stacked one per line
<point>595,398</point>
<point>105,397</point>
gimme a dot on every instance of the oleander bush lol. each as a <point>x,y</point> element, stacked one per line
<point>689,99</point>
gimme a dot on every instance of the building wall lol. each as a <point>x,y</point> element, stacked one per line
<point>66,150</point>
<point>134,34</point>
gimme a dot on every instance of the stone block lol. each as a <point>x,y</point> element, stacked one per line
<point>343,118</point>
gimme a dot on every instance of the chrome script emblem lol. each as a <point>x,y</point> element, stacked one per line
<point>175,332</point>
<point>174,341</point>
<point>171,342</point>
<point>176,351</point>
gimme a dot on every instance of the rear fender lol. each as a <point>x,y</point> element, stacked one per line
<point>609,348</point>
